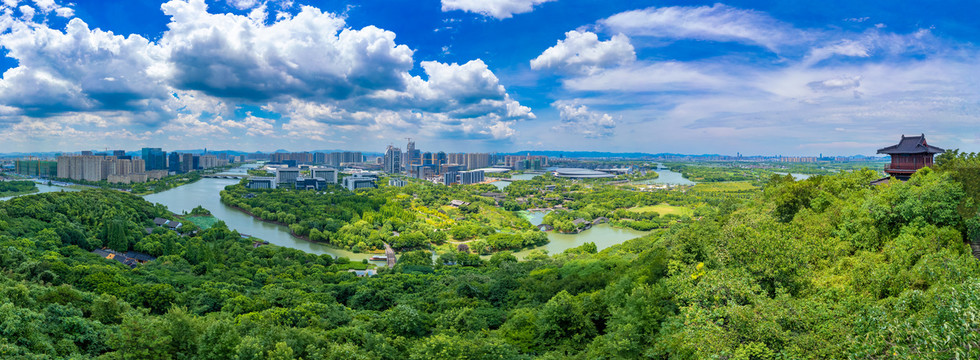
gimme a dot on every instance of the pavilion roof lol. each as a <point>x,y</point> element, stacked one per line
<point>911,145</point>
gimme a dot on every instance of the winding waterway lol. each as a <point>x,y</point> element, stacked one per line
<point>206,192</point>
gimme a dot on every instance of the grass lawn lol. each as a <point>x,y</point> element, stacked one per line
<point>664,209</point>
<point>725,186</point>
<point>203,222</point>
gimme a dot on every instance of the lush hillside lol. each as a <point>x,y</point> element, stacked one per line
<point>830,267</point>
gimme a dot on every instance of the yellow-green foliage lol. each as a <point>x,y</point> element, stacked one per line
<point>664,209</point>
<point>727,186</point>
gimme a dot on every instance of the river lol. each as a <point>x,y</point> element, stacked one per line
<point>206,193</point>
<point>666,176</point>
<point>42,189</point>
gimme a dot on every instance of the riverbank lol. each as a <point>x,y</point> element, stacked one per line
<point>13,194</point>
<point>297,236</point>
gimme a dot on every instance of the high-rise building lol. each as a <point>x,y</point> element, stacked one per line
<point>450,177</point>
<point>36,167</point>
<point>477,161</point>
<point>299,158</point>
<point>174,163</point>
<point>186,163</point>
<point>412,155</point>
<point>393,160</point>
<point>155,158</point>
<point>471,177</point>
<point>457,158</point>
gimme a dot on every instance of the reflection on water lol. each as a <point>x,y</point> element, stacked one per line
<point>502,184</point>
<point>206,193</point>
<point>796,177</point>
<point>42,189</point>
<point>667,177</point>
<point>603,235</point>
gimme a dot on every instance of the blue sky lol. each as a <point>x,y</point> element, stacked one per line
<point>756,77</point>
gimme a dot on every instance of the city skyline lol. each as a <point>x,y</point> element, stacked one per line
<point>838,79</point>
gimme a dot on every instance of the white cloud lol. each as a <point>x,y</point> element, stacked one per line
<point>662,76</point>
<point>876,42</point>
<point>838,84</point>
<point>243,4</point>
<point>311,55</point>
<point>49,6</point>
<point>500,9</point>
<point>257,126</point>
<point>80,70</point>
<point>579,119</point>
<point>310,68</point>
<point>582,53</point>
<point>27,12</point>
<point>716,23</point>
<point>252,4</point>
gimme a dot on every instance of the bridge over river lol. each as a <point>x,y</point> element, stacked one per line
<point>225,176</point>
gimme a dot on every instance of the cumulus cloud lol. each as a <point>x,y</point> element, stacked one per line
<point>716,23</point>
<point>311,55</point>
<point>581,52</point>
<point>310,68</point>
<point>500,9</point>
<point>579,119</point>
<point>80,69</point>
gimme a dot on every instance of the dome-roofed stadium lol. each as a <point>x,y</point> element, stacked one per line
<point>577,173</point>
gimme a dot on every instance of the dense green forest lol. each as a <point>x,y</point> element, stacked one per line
<point>830,267</point>
<point>415,216</point>
<point>9,188</point>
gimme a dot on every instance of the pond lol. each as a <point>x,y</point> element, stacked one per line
<point>603,235</point>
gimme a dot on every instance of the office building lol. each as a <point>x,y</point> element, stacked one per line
<point>257,182</point>
<point>155,158</point>
<point>310,184</point>
<point>393,160</point>
<point>186,163</point>
<point>397,182</point>
<point>173,163</point>
<point>327,174</point>
<point>470,177</point>
<point>287,175</point>
<point>358,181</point>
<point>450,177</point>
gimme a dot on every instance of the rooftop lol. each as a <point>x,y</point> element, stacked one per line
<point>911,145</point>
<point>581,173</point>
